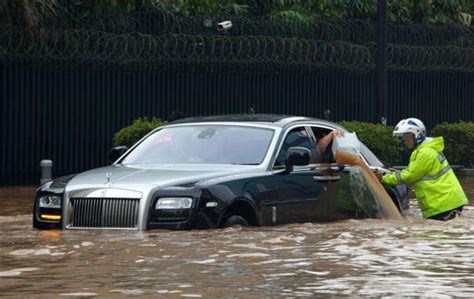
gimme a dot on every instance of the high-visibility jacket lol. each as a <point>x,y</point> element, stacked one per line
<point>436,187</point>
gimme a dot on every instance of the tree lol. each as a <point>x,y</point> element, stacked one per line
<point>205,7</point>
<point>28,13</point>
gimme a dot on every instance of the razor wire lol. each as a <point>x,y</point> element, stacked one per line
<point>146,49</point>
<point>355,31</point>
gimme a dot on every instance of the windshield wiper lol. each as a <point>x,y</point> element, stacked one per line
<point>245,164</point>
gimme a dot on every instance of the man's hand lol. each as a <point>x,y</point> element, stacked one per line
<point>336,133</point>
<point>378,173</point>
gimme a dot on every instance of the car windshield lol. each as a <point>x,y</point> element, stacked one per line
<point>203,144</point>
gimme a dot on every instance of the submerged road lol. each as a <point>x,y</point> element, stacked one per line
<point>414,257</point>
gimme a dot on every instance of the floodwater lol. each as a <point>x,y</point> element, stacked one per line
<point>363,180</point>
<point>412,257</point>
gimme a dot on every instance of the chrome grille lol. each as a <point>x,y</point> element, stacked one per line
<point>104,212</point>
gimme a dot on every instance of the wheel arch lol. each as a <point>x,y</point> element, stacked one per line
<point>243,207</point>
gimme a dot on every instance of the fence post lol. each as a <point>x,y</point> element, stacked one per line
<point>380,60</point>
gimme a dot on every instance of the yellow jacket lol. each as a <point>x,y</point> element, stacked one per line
<point>436,187</point>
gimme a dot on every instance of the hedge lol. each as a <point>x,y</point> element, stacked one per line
<point>459,142</point>
<point>128,136</point>
<point>379,139</point>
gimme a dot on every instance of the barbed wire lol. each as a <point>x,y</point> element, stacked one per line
<point>96,47</point>
<point>145,48</point>
<point>355,31</point>
<point>413,58</point>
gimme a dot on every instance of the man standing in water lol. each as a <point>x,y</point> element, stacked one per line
<point>438,191</point>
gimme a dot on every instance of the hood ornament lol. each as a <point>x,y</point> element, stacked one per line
<point>108,175</point>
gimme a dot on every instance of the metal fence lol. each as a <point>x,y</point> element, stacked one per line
<point>69,114</point>
<point>67,88</point>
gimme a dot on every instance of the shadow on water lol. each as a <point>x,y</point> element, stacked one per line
<point>414,257</point>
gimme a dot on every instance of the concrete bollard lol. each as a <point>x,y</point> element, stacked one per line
<point>46,167</point>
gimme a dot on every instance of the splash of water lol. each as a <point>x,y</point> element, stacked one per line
<point>368,192</point>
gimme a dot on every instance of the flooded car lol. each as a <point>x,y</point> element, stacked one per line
<point>210,172</point>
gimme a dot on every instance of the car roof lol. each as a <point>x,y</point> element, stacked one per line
<point>270,119</point>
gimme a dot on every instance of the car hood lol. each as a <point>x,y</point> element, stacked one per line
<point>139,177</point>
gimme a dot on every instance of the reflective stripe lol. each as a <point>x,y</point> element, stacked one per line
<point>398,176</point>
<point>434,177</point>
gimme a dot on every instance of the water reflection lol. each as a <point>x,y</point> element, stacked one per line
<point>414,257</point>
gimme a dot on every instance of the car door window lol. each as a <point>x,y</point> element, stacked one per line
<point>327,155</point>
<point>296,137</point>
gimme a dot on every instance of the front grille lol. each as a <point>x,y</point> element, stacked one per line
<point>104,212</point>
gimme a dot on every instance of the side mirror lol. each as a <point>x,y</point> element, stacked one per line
<point>298,156</point>
<point>116,152</point>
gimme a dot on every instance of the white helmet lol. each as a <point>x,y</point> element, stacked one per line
<point>411,125</point>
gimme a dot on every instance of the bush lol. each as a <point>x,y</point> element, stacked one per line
<point>128,136</point>
<point>459,142</point>
<point>379,139</point>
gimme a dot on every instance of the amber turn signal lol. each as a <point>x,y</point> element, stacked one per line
<point>51,217</point>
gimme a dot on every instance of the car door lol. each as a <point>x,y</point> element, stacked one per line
<point>297,192</point>
<point>338,201</point>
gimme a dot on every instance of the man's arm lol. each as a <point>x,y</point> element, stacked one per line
<point>326,140</point>
<point>416,170</point>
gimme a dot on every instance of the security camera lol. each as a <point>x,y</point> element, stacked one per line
<point>224,26</point>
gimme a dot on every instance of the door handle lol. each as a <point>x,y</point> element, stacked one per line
<point>326,178</point>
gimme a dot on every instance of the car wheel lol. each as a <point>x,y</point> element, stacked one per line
<point>235,220</point>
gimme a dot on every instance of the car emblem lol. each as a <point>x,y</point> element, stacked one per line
<point>108,175</point>
<point>103,193</point>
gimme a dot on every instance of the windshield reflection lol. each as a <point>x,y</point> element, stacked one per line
<point>203,144</point>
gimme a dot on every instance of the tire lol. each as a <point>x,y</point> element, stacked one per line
<point>235,220</point>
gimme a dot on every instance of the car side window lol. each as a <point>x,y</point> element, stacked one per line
<point>296,137</point>
<point>326,156</point>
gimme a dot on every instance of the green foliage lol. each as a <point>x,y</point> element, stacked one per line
<point>28,13</point>
<point>378,138</point>
<point>399,11</point>
<point>459,142</point>
<point>296,13</point>
<point>363,9</point>
<point>333,8</point>
<point>236,9</point>
<point>87,8</point>
<point>128,136</point>
<point>194,7</point>
<point>205,7</point>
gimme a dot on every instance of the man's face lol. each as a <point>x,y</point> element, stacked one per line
<point>409,140</point>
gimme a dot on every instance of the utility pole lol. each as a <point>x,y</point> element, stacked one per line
<point>380,59</point>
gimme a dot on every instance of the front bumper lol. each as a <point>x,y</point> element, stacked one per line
<point>197,217</point>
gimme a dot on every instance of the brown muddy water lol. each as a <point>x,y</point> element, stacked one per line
<point>412,257</point>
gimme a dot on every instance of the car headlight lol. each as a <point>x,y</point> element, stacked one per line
<point>50,201</point>
<point>167,203</point>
